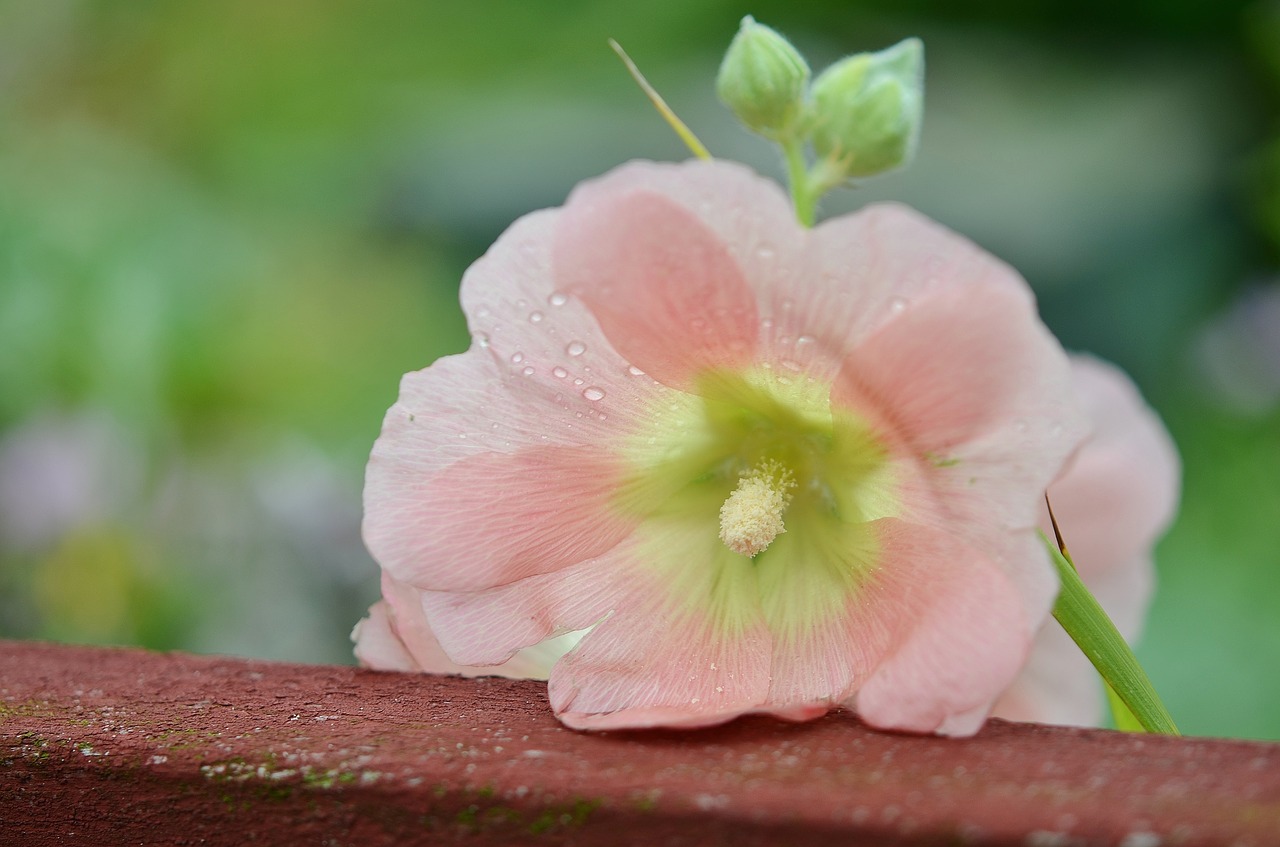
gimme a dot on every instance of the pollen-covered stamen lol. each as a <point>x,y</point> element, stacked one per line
<point>752,515</point>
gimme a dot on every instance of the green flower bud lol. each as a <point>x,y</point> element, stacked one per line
<point>762,79</point>
<point>866,109</point>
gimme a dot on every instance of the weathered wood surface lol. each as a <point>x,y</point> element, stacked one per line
<point>121,746</point>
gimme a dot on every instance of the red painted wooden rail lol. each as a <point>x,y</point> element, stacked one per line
<point>121,746</point>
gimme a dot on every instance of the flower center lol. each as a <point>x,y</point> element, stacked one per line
<point>751,517</point>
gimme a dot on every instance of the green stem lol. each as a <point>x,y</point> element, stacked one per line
<point>1088,625</point>
<point>802,195</point>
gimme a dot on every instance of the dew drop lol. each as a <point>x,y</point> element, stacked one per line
<point>805,341</point>
<point>791,364</point>
<point>557,299</point>
<point>535,317</point>
<point>578,381</point>
<point>897,305</point>
<point>517,358</point>
<point>559,372</point>
<point>765,252</point>
<point>528,371</point>
<point>482,338</point>
<point>634,371</point>
<point>522,303</point>
<point>575,348</point>
<point>592,393</point>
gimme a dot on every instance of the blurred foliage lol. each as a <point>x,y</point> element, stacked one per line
<point>226,229</point>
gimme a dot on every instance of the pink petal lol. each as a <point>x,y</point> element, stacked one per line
<point>1120,492</point>
<point>1058,684</point>
<point>525,387</point>
<point>377,645</point>
<point>962,635</point>
<point>398,636</point>
<point>488,627</point>
<point>680,651</point>
<point>665,290</point>
<point>1113,501</point>
<point>561,381</point>
<point>492,518</point>
<point>973,396</point>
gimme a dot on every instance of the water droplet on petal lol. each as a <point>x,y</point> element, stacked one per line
<point>578,381</point>
<point>791,364</point>
<point>592,393</point>
<point>575,348</point>
<point>528,371</point>
<point>517,358</point>
<point>765,252</point>
<point>897,305</point>
<point>634,371</point>
<point>805,341</point>
<point>559,372</point>
<point>535,317</point>
<point>557,299</point>
<point>482,339</point>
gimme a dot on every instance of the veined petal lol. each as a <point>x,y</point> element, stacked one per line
<point>687,647</point>
<point>960,631</point>
<point>969,386</point>
<point>665,290</point>
<point>546,346</point>
<point>495,518</point>
<point>488,627</point>
<point>398,636</point>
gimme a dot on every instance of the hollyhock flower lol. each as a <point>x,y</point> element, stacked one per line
<point>1116,496</point>
<point>1114,499</point>
<point>770,469</point>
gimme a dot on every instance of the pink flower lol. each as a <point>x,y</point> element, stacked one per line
<point>1115,498</point>
<point>769,469</point>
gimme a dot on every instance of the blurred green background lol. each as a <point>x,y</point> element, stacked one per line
<point>227,228</point>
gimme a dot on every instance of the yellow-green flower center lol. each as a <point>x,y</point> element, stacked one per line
<point>754,497</point>
<point>753,455</point>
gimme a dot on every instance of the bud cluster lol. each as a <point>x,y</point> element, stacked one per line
<point>862,115</point>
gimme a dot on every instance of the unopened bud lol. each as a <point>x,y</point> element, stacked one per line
<point>866,109</point>
<point>762,79</point>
